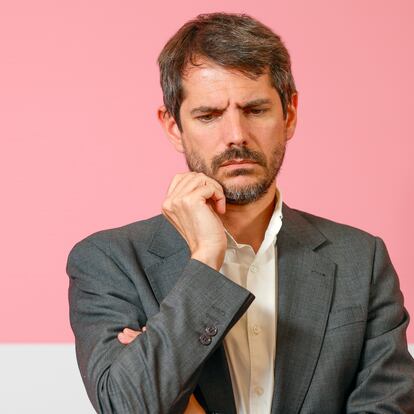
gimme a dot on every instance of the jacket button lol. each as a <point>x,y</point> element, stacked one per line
<point>211,330</point>
<point>205,339</point>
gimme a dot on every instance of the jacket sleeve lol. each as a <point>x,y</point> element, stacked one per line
<point>385,381</point>
<point>158,370</point>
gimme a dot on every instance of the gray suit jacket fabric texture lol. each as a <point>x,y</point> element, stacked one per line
<point>341,330</point>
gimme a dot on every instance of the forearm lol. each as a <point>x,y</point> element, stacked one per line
<point>159,368</point>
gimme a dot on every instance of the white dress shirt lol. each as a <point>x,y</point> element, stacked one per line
<point>250,345</point>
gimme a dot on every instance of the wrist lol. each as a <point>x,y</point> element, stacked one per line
<point>213,260</point>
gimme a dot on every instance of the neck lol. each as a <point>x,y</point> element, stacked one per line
<point>248,223</point>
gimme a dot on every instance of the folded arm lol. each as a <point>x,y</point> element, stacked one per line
<point>158,371</point>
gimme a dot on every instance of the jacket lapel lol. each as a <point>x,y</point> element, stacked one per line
<point>306,281</point>
<point>163,271</point>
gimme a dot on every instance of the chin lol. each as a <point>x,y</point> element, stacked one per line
<point>240,180</point>
<point>245,188</point>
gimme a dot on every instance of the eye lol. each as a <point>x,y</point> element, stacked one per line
<point>206,118</point>
<point>256,111</point>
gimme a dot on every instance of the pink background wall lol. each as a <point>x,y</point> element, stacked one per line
<point>81,149</point>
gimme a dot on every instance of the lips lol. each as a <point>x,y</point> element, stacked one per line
<point>238,162</point>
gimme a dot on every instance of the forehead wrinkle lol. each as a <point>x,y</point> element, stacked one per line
<point>248,104</point>
<point>213,86</point>
<point>216,87</point>
<point>208,108</point>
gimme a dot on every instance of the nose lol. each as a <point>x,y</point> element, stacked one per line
<point>234,129</point>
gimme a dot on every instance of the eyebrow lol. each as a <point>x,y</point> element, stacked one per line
<point>250,104</point>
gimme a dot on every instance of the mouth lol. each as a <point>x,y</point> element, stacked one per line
<point>237,162</point>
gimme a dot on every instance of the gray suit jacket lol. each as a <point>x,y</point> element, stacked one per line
<point>341,334</point>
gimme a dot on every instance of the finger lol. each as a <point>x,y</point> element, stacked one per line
<point>190,184</point>
<point>131,332</point>
<point>178,178</point>
<point>197,180</point>
<point>179,181</point>
<point>220,202</point>
<point>217,185</point>
<point>210,191</point>
<point>134,332</point>
<point>124,339</point>
<point>173,183</point>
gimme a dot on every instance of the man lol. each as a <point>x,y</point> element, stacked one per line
<point>230,301</point>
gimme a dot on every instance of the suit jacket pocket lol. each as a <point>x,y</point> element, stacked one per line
<point>346,316</point>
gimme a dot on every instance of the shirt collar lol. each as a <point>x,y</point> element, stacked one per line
<point>272,230</point>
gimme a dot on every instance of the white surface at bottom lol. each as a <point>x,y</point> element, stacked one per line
<point>44,379</point>
<point>41,378</point>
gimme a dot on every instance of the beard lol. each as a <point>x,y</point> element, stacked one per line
<point>237,193</point>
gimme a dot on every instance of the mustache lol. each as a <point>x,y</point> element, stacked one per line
<point>235,152</point>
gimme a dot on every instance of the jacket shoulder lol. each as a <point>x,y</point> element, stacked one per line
<point>338,233</point>
<point>137,235</point>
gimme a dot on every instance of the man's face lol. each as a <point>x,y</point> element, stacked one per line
<point>233,130</point>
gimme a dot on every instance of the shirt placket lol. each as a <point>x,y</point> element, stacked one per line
<point>255,339</point>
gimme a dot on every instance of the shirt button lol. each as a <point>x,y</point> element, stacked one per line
<point>258,390</point>
<point>253,268</point>
<point>256,329</point>
<point>230,253</point>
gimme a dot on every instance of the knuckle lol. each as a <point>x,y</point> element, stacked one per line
<point>175,203</point>
<point>176,179</point>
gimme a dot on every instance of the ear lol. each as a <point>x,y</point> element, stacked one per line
<point>291,116</point>
<point>170,128</point>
